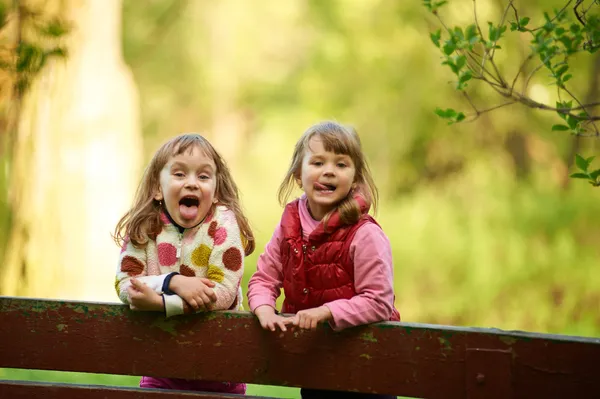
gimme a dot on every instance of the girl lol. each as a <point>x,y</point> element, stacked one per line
<point>184,241</point>
<point>331,258</point>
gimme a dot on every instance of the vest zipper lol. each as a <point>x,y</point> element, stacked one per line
<point>180,236</point>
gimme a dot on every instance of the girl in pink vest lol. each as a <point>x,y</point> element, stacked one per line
<point>331,258</point>
<point>184,241</point>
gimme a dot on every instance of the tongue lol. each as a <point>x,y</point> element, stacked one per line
<point>321,187</point>
<point>188,212</point>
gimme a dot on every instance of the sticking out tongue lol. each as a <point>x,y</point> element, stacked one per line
<point>321,187</point>
<point>188,212</point>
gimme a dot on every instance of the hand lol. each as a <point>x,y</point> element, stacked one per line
<point>196,291</point>
<point>142,297</point>
<point>269,320</point>
<point>310,318</point>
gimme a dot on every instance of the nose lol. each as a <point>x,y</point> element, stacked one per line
<point>191,181</point>
<point>328,170</point>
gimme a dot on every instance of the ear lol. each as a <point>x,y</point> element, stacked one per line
<point>159,195</point>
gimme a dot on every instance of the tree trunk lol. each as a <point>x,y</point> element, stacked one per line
<point>75,164</point>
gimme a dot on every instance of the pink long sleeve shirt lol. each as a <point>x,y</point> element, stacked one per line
<point>373,275</point>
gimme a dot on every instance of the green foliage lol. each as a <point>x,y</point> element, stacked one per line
<point>583,165</point>
<point>39,40</point>
<point>470,55</point>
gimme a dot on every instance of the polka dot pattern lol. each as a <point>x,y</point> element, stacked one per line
<point>187,271</point>
<point>131,266</point>
<point>218,234</point>
<point>201,255</point>
<point>215,274</point>
<point>167,254</point>
<point>232,259</point>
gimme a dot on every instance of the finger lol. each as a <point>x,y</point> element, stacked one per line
<point>305,323</point>
<point>281,325</point>
<point>205,299</point>
<point>271,326</point>
<point>193,304</point>
<point>136,283</point>
<point>264,325</point>
<point>207,282</point>
<point>213,296</point>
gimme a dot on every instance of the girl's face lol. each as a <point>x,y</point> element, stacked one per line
<point>326,177</point>
<point>187,185</point>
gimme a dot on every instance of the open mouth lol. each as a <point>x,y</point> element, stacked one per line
<point>189,201</point>
<point>188,207</point>
<point>324,187</point>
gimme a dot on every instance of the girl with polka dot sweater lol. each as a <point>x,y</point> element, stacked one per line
<point>212,250</point>
<point>183,242</point>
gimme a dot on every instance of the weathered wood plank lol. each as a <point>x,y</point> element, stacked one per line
<point>416,360</point>
<point>28,390</point>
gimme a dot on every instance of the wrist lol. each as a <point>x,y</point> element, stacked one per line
<point>327,313</point>
<point>159,302</point>
<point>174,282</point>
<point>264,310</point>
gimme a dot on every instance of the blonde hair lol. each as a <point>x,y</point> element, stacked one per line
<point>142,222</point>
<point>340,140</point>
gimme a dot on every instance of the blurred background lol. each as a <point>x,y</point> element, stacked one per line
<point>485,225</point>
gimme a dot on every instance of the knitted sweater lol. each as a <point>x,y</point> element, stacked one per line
<point>213,250</point>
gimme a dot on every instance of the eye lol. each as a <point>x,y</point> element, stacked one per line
<point>317,163</point>
<point>179,174</point>
<point>341,165</point>
<point>204,176</point>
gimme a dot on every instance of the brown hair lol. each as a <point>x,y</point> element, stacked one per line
<point>340,140</point>
<point>142,222</point>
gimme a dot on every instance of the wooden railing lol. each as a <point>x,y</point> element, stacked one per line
<point>415,360</point>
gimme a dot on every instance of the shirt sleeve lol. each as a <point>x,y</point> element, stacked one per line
<point>265,284</point>
<point>133,263</point>
<point>226,261</point>
<point>373,281</point>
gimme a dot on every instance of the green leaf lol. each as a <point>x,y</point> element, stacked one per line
<point>574,28</point>
<point>447,113</point>
<point>560,128</point>
<point>567,77</point>
<point>524,21</point>
<point>579,176</point>
<point>449,47</point>
<point>460,116</point>
<point>435,37</point>
<point>471,34</point>
<point>572,122</point>
<point>594,175</point>
<point>590,159</point>
<point>562,70</point>
<point>581,162</point>
<point>461,60</point>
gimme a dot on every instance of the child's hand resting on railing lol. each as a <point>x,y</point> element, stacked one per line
<point>142,297</point>
<point>309,319</point>
<point>196,291</point>
<point>269,319</point>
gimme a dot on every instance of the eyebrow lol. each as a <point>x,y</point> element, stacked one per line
<point>182,164</point>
